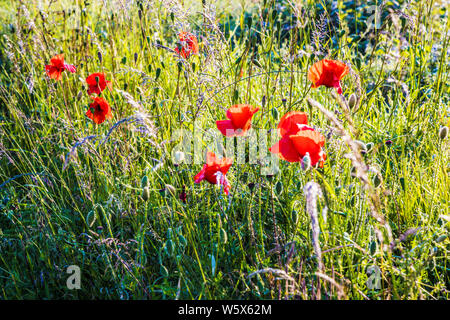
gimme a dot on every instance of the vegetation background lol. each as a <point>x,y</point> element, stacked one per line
<point>375,226</point>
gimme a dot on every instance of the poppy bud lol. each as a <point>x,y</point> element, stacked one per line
<point>352,101</point>
<point>369,146</point>
<point>80,94</point>
<point>251,185</point>
<point>179,157</point>
<point>306,162</point>
<point>182,240</point>
<point>99,55</point>
<point>373,248</point>
<point>90,218</point>
<point>135,57</point>
<point>164,272</point>
<point>97,80</point>
<point>263,102</point>
<point>275,113</point>
<point>223,235</point>
<point>441,238</point>
<point>183,196</point>
<point>284,102</point>
<point>362,146</point>
<point>144,182</point>
<point>294,216</point>
<point>376,181</point>
<point>278,187</point>
<point>170,190</point>
<point>443,132</point>
<point>145,193</point>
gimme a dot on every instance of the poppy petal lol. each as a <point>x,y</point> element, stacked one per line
<point>308,142</point>
<point>315,73</point>
<point>226,127</point>
<point>286,150</point>
<point>70,67</point>
<point>338,68</point>
<point>290,121</point>
<point>58,60</point>
<point>201,175</point>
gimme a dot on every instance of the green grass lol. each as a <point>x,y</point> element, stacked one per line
<point>87,209</point>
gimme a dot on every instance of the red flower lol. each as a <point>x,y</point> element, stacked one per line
<point>298,139</point>
<point>57,66</point>
<point>189,44</point>
<point>214,171</point>
<point>328,73</point>
<point>99,110</point>
<point>240,116</point>
<point>97,83</point>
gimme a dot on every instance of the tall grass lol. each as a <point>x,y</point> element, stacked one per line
<point>71,190</point>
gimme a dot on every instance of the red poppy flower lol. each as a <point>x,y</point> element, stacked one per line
<point>298,139</point>
<point>57,66</point>
<point>327,73</point>
<point>99,110</point>
<point>240,116</point>
<point>214,171</point>
<point>97,83</point>
<point>189,44</point>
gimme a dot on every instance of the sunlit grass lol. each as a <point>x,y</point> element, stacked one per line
<point>71,191</point>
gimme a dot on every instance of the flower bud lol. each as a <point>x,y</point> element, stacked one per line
<point>352,101</point>
<point>275,113</point>
<point>182,240</point>
<point>376,181</point>
<point>179,157</point>
<point>91,217</point>
<point>278,187</point>
<point>183,196</point>
<point>362,146</point>
<point>163,270</point>
<point>170,190</point>
<point>145,193</point>
<point>144,182</point>
<point>294,216</point>
<point>443,132</point>
<point>223,235</point>
<point>306,162</point>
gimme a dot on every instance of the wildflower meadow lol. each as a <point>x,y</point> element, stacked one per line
<point>229,149</point>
